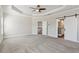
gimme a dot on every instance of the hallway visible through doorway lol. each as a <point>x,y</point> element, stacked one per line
<point>42,27</point>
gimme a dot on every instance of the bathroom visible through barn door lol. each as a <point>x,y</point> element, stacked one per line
<point>61,28</point>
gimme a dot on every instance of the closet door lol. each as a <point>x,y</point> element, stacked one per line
<point>70,25</point>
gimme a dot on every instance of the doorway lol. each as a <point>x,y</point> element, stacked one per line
<point>42,28</point>
<point>61,28</point>
<point>39,31</point>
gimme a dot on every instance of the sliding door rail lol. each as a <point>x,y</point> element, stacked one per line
<point>67,16</point>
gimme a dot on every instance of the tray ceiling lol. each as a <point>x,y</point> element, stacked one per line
<point>26,10</point>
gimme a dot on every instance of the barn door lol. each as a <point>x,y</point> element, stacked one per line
<point>70,25</point>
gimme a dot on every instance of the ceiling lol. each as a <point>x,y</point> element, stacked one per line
<point>26,10</point>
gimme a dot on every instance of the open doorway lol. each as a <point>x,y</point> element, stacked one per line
<point>39,31</point>
<point>61,28</point>
<point>42,28</point>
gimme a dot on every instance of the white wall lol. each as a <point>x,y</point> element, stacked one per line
<point>26,25</point>
<point>23,25</point>
<point>34,23</point>
<point>78,27</point>
<point>1,24</point>
<point>51,25</point>
<point>17,25</point>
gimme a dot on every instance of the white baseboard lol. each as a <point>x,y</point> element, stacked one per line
<point>1,39</point>
<point>52,36</point>
<point>15,35</point>
<point>73,41</point>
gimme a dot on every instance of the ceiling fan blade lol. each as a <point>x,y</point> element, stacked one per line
<point>42,9</point>
<point>39,10</point>
<point>16,9</point>
<point>33,10</point>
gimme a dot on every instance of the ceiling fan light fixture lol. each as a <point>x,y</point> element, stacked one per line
<point>37,10</point>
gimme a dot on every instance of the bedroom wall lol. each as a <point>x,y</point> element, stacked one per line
<point>17,25</point>
<point>25,25</point>
<point>51,25</point>
<point>53,22</point>
<point>35,19</point>
<point>78,27</point>
<point>1,25</point>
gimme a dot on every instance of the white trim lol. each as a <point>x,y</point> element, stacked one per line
<point>14,35</point>
<point>72,41</point>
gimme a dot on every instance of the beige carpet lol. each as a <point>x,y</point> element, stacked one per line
<point>37,44</point>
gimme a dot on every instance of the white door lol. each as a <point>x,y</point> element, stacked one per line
<point>70,25</point>
<point>44,28</point>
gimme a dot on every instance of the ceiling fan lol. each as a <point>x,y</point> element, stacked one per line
<point>38,8</point>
